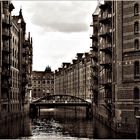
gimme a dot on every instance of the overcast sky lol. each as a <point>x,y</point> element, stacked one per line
<point>60,29</point>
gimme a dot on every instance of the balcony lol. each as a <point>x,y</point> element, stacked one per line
<point>5,86</point>
<point>95,73</point>
<point>94,37</point>
<point>6,5</point>
<point>24,53</point>
<point>105,6</point>
<point>24,62</point>
<point>26,44</point>
<point>5,73</point>
<point>107,48</point>
<point>6,34</point>
<point>4,100</point>
<point>95,77</point>
<point>107,82</point>
<point>6,48</point>
<point>107,32</point>
<point>94,46</point>
<point>94,55</point>
<point>94,87</point>
<point>24,70</point>
<point>94,66</point>
<point>91,25</point>
<point>106,18</point>
<point>6,22</point>
<point>24,81</point>
<point>108,100</point>
<point>30,61</point>
<point>107,64</point>
<point>6,61</point>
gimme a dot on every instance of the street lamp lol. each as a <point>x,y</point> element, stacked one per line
<point>47,93</point>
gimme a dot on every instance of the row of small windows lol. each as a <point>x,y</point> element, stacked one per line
<point>44,77</point>
<point>41,90</point>
<point>136,70</point>
<point>43,82</point>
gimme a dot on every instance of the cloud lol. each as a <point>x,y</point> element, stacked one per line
<point>62,16</point>
<point>59,29</point>
<point>62,47</point>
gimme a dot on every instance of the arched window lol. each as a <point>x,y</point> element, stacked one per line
<point>136,27</point>
<point>136,93</point>
<point>136,70</point>
<point>136,44</point>
<point>136,9</point>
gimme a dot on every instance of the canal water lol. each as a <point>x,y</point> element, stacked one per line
<point>59,124</point>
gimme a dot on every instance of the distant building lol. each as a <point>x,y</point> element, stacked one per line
<point>75,79</point>
<point>42,83</point>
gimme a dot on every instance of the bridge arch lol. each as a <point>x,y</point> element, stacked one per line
<point>61,99</point>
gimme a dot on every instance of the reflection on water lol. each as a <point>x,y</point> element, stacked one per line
<point>14,129</point>
<point>58,123</point>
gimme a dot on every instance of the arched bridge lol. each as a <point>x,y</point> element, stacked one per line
<point>60,100</point>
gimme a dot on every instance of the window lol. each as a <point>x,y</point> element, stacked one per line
<point>126,119</point>
<point>136,27</point>
<point>136,9</point>
<point>136,69</point>
<point>136,93</point>
<point>136,44</point>
<point>136,109</point>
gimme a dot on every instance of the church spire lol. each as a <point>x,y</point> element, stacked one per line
<point>20,12</point>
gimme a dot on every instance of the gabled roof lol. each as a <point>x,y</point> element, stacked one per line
<point>97,10</point>
<point>19,18</point>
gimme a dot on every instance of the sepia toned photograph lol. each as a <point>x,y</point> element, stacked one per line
<point>69,69</point>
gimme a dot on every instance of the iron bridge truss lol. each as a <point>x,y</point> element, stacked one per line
<point>61,99</point>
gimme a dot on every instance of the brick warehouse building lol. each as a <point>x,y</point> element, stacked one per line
<point>15,73</point>
<point>75,78</point>
<point>116,37</point>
